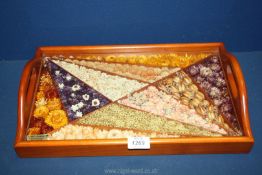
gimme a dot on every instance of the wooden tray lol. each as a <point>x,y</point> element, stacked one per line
<point>107,147</point>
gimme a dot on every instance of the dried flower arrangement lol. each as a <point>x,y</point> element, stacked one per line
<point>165,95</point>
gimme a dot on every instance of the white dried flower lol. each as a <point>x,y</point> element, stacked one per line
<point>61,85</point>
<point>214,92</point>
<point>79,114</point>
<point>85,97</point>
<point>40,102</point>
<point>75,87</point>
<point>95,102</point>
<point>68,77</point>
<point>80,105</point>
<point>57,72</point>
<point>74,107</point>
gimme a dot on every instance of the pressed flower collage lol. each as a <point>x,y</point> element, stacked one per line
<point>115,96</point>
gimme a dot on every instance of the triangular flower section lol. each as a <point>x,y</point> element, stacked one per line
<point>181,87</point>
<point>209,76</point>
<point>111,86</point>
<point>138,72</point>
<point>77,98</point>
<point>48,113</point>
<point>115,115</point>
<point>159,103</point>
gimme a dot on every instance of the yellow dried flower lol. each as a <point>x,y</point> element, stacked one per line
<point>110,58</point>
<point>165,62</point>
<point>54,104</point>
<point>131,60</point>
<point>40,95</point>
<point>122,59</point>
<point>41,111</point>
<point>45,80</point>
<point>167,59</point>
<point>56,119</point>
<point>142,59</point>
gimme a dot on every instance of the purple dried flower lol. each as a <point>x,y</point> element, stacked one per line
<point>211,80</point>
<point>218,102</point>
<point>194,70</point>
<point>225,107</point>
<point>220,82</point>
<point>200,79</point>
<point>206,85</point>
<point>215,67</point>
<point>214,59</point>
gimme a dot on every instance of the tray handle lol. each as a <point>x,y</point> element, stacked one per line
<point>25,95</point>
<point>242,93</point>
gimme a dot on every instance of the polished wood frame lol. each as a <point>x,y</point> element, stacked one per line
<point>108,147</point>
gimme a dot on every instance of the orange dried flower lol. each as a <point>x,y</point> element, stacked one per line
<point>54,104</point>
<point>45,80</point>
<point>56,119</point>
<point>40,95</point>
<point>110,58</point>
<point>33,131</point>
<point>169,59</point>
<point>41,111</point>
